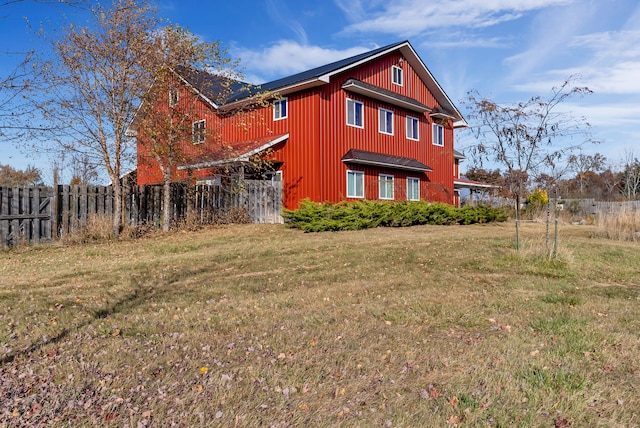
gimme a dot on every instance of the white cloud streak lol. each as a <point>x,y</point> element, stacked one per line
<point>408,18</point>
<point>287,57</point>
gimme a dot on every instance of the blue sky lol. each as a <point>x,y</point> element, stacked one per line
<point>508,50</point>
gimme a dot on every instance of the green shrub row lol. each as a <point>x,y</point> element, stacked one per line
<point>321,217</point>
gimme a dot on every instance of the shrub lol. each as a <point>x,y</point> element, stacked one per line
<point>320,217</point>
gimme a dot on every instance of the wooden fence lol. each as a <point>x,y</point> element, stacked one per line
<point>37,214</point>
<point>598,208</point>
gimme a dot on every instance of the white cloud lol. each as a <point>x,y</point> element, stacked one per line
<point>408,18</point>
<point>287,57</point>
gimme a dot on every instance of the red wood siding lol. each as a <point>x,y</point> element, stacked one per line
<point>319,137</point>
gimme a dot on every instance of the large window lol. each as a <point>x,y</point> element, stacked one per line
<point>438,135</point>
<point>396,75</point>
<point>385,121</point>
<point>354,113</point>
<point>355,184</point>
<point>412,128</point>
<point>280,110</point>
<point>198,132</point>
<point>413,189</point>
<point>385,186</point>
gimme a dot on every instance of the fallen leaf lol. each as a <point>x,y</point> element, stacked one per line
<point>561,422</point>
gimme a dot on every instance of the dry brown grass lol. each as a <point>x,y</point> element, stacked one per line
<point>622,225</point>
<point>259,325</point>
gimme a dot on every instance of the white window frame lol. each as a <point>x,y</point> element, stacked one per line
<point>198,131</point>
<point>277,109</point>
<point>413,182</point>
<point>356,175</point>
<point>352,105</point>
<point>397,75</point>
<point>409,123</point>
<point>385,121</point>
<point>383,180</point>
<point>438,135</point>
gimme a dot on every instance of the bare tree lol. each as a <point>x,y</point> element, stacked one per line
<point>526,137</point>
<point>168,124</point>
<point>94,84</point>
<point>631,176</point>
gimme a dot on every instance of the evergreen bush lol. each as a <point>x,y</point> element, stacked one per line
<point>321,217</point>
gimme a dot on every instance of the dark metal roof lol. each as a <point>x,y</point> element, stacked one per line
<point>376,92</point>
<point>387,161</point>
<point>314,73</point>
<point>215,88</point>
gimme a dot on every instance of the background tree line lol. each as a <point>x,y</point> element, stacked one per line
<point>584,177</point>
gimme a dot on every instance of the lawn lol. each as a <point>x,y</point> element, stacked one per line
<point>260,325</point>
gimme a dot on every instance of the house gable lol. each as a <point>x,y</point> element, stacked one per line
<point>319,144</point>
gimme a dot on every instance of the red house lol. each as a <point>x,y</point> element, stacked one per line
<point>374,126</point>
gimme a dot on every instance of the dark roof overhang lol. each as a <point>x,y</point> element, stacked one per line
<point>458,155</point>
<point>386,161</point>
<point>381,94</point>
<point>463,183</point>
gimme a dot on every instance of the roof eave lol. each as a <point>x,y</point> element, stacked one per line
<point>430,81</point>
<point>380,96</point>
<point>468,185</point>
<point>242,158</point>
<point>386,165</point>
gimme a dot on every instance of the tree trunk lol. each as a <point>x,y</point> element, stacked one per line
<point>166,205</point>
<point>117,206</point>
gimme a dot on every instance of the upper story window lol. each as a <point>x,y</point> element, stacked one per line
<point>396,75</point>
<point>355,113</point>
<point>198,132</point>
<point>173,96</point>
<point>438,135</point>
<point>412,128</point>
<point>385,121</point>
<point>280,109</point>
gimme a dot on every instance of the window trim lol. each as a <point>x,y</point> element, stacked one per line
<point>416,181</point>
<point>174,96</point>
<point>386,110</point>
<point>437,131</point>
<point>400,74</point>
<point>380,187</point>
<point>201,133</point>
<point>355,173</point>
<point>355,103</point>
<point>280,102</point>
<point>412,119</point>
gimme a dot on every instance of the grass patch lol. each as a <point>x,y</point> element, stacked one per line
<point>262,325</point>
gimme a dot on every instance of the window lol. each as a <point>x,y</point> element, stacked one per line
<point>385,186</point>
<point>354,113</point>
<point>173,96</point>
<point>438,135</point>
<point>280,109</point>
<point>396,75</point>
<point>413,189</point>
<point>412,128</point>
<point>355,184</point>
<point>198,132</point>
<point>385,121</point>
